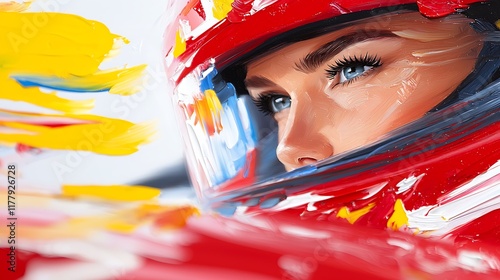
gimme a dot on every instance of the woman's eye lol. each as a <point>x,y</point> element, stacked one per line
<point>279,103</point>
<point>272,103</point>
<point>352,72</point>
<point>353,67</point>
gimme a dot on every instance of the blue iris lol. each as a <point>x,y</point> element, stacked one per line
<point>279,103</point>
<point>351,72</point>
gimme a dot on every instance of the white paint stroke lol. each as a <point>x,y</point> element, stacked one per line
<point>298,200</point>
<point>467,203</point>
<point>408,183</point>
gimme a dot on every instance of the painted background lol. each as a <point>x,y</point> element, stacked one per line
<point>143,24</point>
<point>122,232</point>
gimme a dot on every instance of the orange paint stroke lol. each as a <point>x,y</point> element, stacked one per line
<point>14,6</point>
<point>208,112</point>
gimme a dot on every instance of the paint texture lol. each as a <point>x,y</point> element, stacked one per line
<point>38,49</point>
<point>180,44</point>
<point>13,6</point>
<point>222,8</point>
<point>42,53</point>
<point>118,193</point>
<point>107,238</point>
<point>351,217</point>
<point>420,203</point>
<point>207,112</point>
<point>398,219</point>
<point>79,132</point>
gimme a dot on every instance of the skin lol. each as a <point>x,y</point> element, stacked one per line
<point>320,115</point>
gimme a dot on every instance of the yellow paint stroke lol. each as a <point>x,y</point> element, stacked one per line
<point>208,112</point>
<point>180,44</point>
<point>123,82</point>
<point>11,90</point>
<point>99,135</point>
<point>60,44</point>
<point>62,47</point>
<point>64,52</point>
<point>112,193</point>
<point>14,6</point>
<point>353,216</point>
<point>399,218</point>
<point>222,8</point>
<point>121,227</point>
<point>497,23</point>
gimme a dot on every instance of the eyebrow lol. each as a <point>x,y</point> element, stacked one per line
<point>316,58</point>
<point>259,82</point>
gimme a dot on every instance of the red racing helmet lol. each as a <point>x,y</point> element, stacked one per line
<point>438,175</point>
<point>228,29</point>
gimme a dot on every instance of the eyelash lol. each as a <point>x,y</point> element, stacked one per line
<point>367,60</point>
<point>262,102</point>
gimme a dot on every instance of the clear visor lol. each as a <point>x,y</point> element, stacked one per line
<point>230,143</point>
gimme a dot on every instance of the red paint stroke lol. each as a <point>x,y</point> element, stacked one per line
<point>279,247</point>
<point>440,8</point>
<point>22,148</point>
<point>229,249</point>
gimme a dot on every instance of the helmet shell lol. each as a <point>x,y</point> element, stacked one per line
<point>202,34</point>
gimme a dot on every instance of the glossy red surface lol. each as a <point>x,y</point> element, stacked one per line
<point>243,30</point>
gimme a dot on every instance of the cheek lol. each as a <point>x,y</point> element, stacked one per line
<point>374,106</point>
<point>430,85</point>
<point>348,99</point>
<point>281,119</point>
<point>386,87</point>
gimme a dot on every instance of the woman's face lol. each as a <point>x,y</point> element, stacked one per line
<point>348,88</point>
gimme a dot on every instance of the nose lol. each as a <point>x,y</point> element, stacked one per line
<point>304,139</point>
